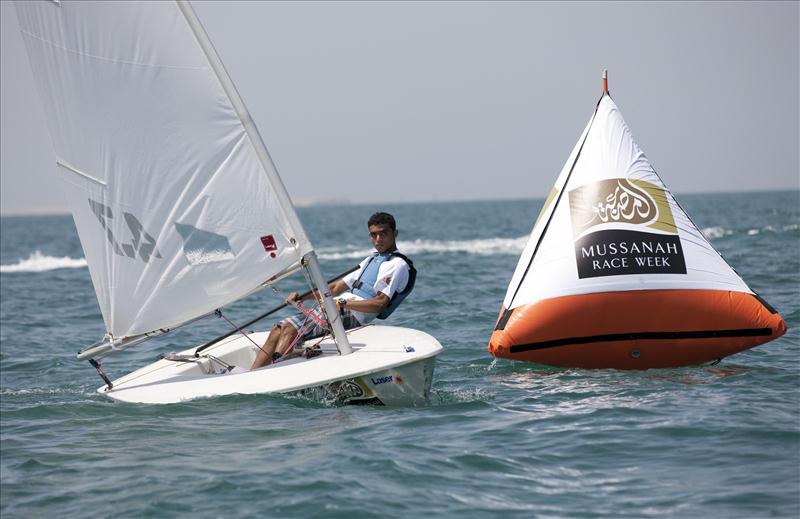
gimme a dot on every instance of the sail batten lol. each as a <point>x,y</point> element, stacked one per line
<point>80,173</point>
<point>177,203</point>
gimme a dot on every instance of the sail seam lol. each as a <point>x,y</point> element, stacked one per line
<point>103,58</point>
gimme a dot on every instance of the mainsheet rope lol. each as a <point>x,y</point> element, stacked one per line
<point>311,314</point>
<point>220,314</point>
<point>216,340</point>
<point>308,312</point>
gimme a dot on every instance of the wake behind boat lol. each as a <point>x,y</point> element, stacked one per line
<point>180,210</point>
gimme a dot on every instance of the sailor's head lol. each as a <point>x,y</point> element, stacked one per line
<point>382,232</point>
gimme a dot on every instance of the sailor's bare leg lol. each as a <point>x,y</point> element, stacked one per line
<point>264,355</point>
<point>288,334</point>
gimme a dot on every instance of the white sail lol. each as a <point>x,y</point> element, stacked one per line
<point>610,224</point>
<point>177,210</point>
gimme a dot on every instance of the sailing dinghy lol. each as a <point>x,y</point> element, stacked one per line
<point>180,210</point>
<point>616,275</point>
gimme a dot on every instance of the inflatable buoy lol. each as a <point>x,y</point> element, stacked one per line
<point>616,275</point>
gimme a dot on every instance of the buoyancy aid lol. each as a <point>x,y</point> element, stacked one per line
<point>364,285</point>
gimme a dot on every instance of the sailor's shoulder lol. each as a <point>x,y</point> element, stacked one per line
<point>399,257</point>
<point>395,263</point>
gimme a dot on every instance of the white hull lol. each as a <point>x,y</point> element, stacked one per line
<point>389,365</point>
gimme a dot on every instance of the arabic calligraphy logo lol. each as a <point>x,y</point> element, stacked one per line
<point>616,200</point>
<point>626,203</point>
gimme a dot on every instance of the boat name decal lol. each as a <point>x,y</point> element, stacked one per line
<point>381,380</point>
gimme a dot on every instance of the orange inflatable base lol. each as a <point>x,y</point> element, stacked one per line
<point>638,329</point>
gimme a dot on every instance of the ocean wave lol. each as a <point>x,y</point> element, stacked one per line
<point>716,232</point>
<point>754,232</point>
<point>712,233</point>
<point>38,262</point>
<point>38,391</point>
<point>486,247</point>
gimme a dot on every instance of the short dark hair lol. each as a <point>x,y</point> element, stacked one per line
<point>382,219</point>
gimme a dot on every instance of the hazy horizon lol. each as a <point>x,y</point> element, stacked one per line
<point>337,203</point>
<point>390,102</point>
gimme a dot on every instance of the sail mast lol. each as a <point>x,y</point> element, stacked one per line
<point>310,259</point>
<point>337,329</point>
<point>241,111</point>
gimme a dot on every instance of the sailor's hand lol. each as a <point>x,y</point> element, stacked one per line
<point>293,298</point>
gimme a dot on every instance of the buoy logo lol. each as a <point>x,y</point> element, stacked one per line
<point>619,200</point>
<point>623,226</point>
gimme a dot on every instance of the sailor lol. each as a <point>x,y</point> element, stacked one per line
<point>375,289</point>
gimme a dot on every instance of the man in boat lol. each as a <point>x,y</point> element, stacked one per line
<point>373,290</point>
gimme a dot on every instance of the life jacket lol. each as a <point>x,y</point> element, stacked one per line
<point>364,285</point>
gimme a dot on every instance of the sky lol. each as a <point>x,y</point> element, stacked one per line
<point>437,101</point>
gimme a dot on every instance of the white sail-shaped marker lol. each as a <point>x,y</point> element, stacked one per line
<point>615,274</point>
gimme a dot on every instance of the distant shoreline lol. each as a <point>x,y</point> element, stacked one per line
<point>35,212</point>
<point>303,203</point>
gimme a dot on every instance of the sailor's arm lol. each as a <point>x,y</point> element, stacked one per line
<point>397,276</point>
<point>368,306</point>
<point>336,288</point>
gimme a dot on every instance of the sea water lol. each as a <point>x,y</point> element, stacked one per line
<point>498,438</point>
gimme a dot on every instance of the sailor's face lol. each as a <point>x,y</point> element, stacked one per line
<point>383,237</point>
